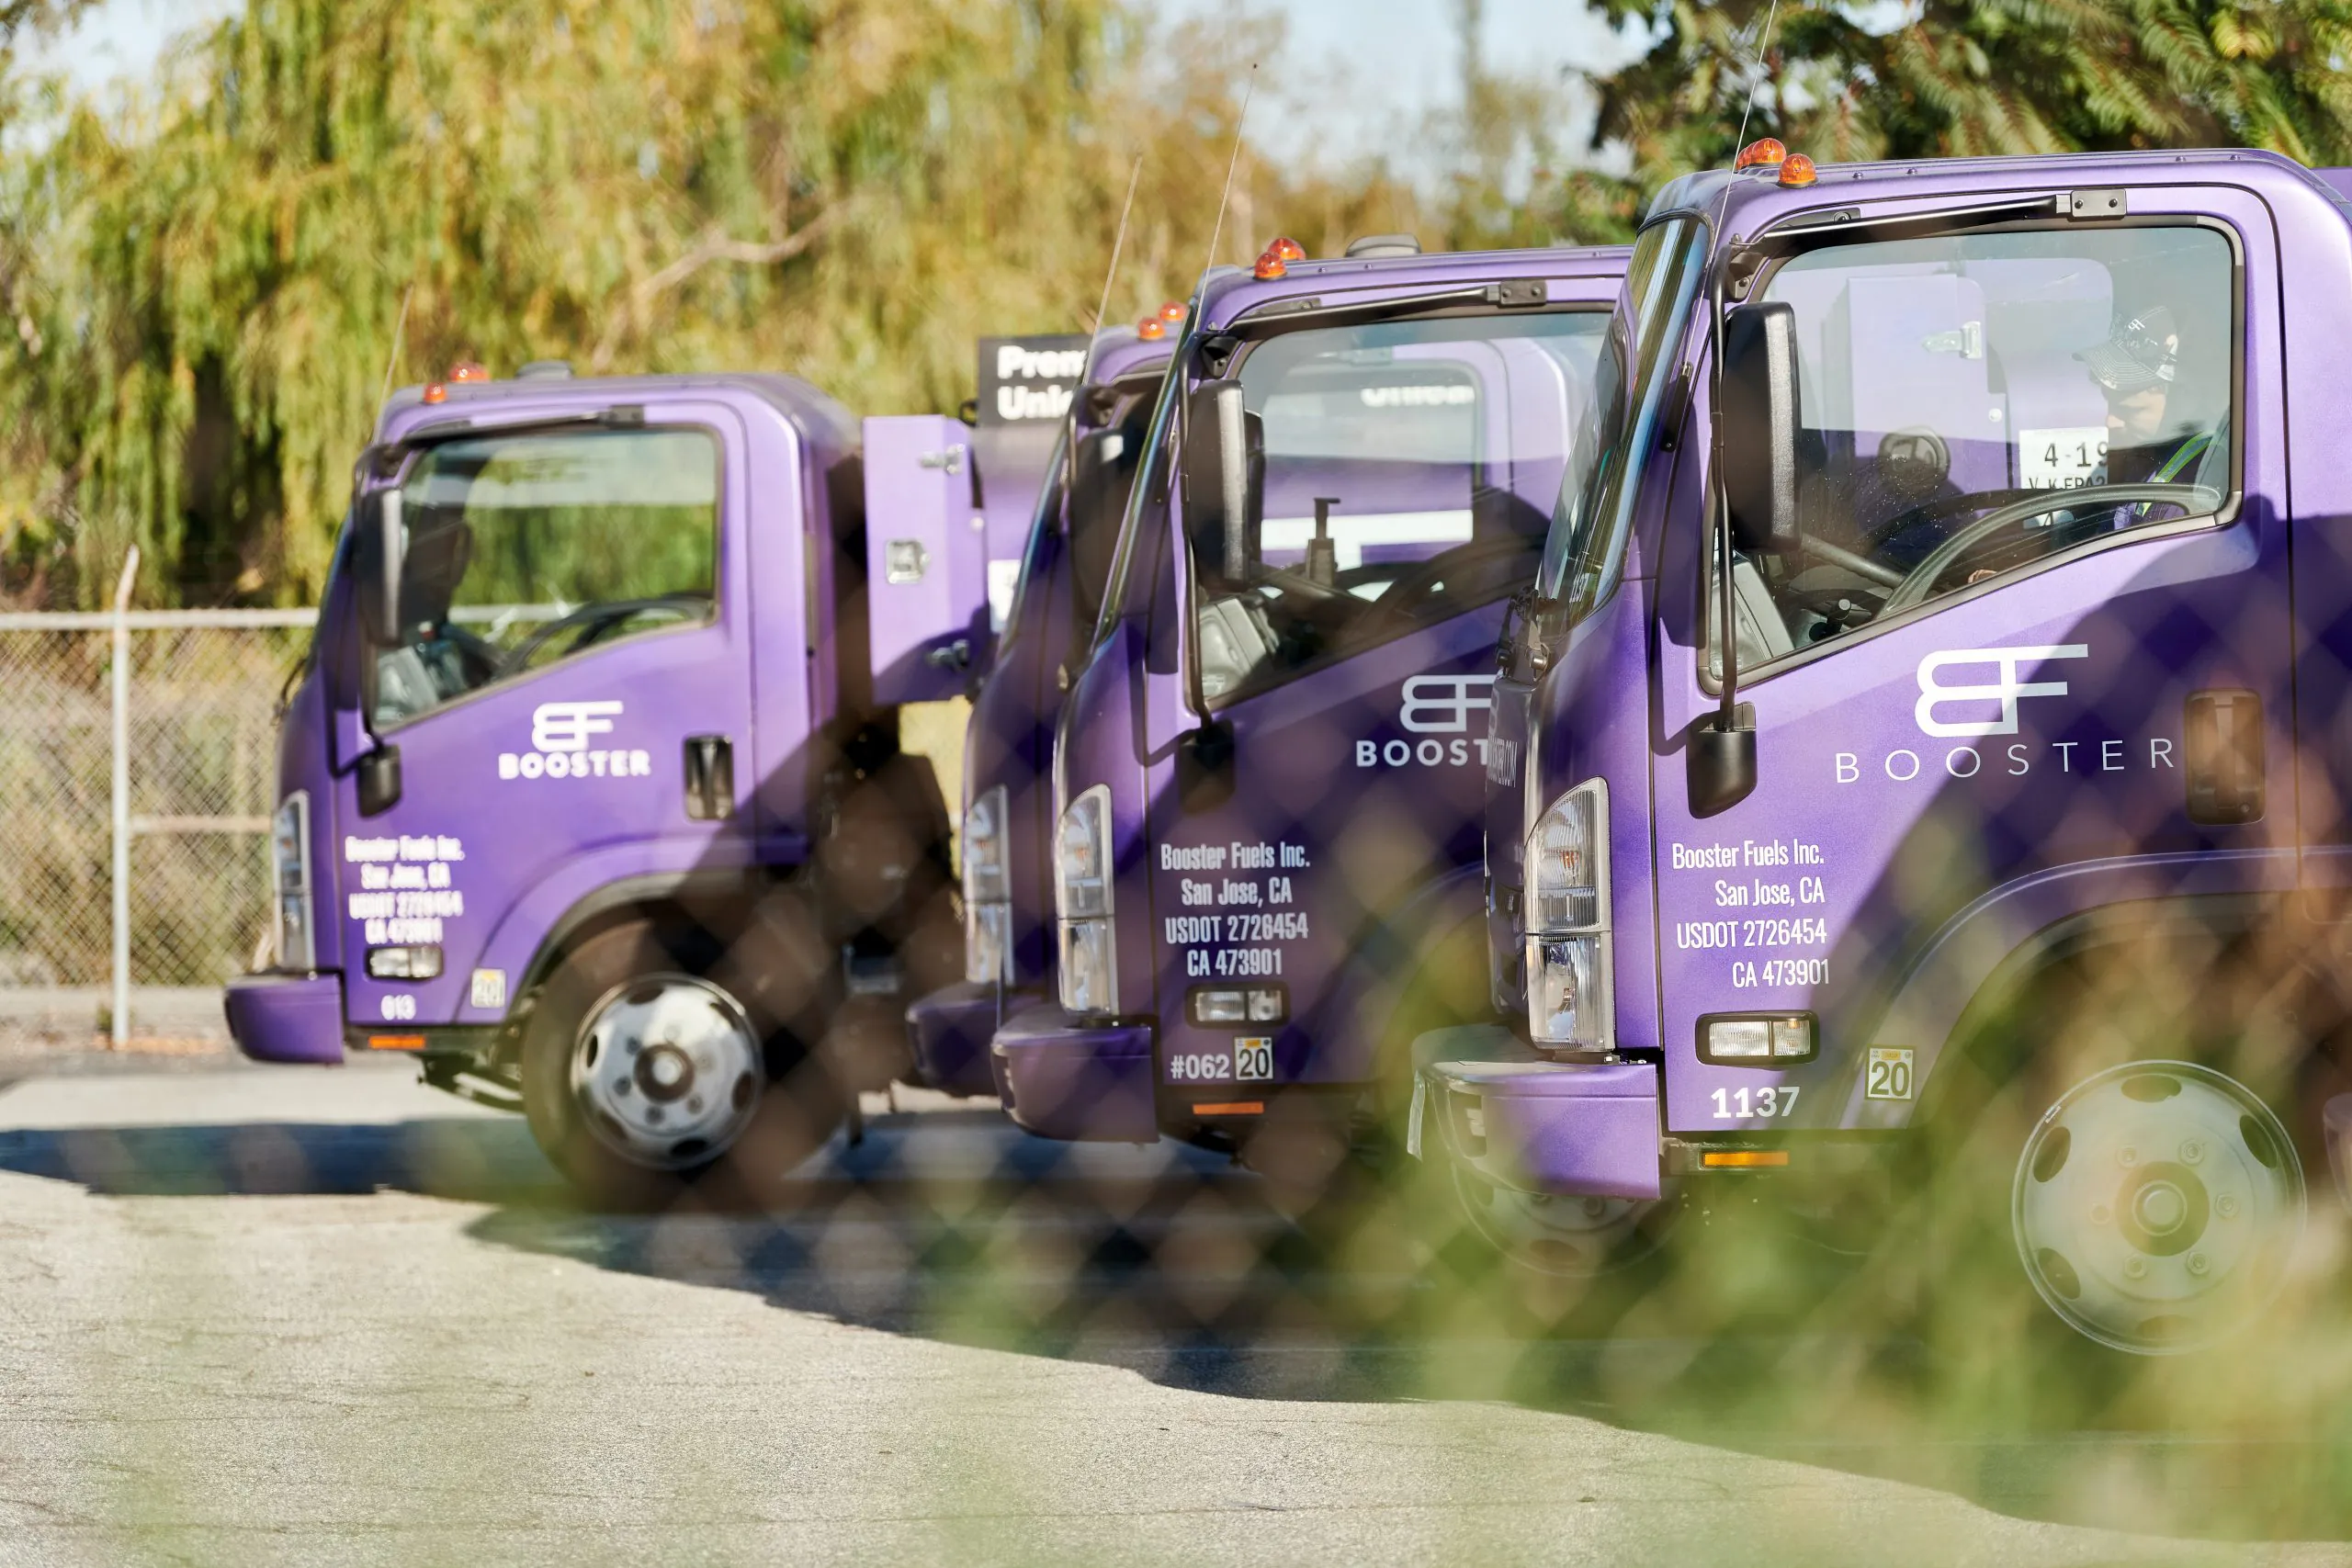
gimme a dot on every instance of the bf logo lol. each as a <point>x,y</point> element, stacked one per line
<point>569,727</point>
<point>1442,704</point>
<point>1985,707</point>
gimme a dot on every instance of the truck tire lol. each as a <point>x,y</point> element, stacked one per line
<point>654,1068</point>
<point>2115,1185</point>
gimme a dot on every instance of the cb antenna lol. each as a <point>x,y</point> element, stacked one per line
<point>1118,243</point>
<point>1240,121</point>
<point>392,360</point>
<point>1094,336</point>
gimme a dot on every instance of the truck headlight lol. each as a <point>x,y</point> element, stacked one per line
<point>1082,903</point>
<point>1568,941</point>
<point>988,904</point>
<point>292,937</point>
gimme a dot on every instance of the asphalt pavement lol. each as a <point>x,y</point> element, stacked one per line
<point>258,1316</point>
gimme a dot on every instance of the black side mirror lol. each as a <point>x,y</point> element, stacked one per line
<point>379,559</point>
<point>1216,476</point>
<point>1757,419</point>
<point>1720,767</point>
<point>1101,474</point>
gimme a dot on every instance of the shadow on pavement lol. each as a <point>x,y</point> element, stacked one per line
<point>1173,1263</point>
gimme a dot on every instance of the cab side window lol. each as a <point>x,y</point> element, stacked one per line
<point>1973,404</point>
<point>526,550</point>
<point>1400,474</point>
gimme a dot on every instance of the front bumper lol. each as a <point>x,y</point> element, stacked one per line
<point>1551,1127</point>
<point>1080,1082</point>
<point>287,1018</point>
<point>949,1032</point>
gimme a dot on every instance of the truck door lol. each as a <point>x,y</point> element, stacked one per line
<point>2026,657</point>
<point>1409,472</point>
<point>574,687</point>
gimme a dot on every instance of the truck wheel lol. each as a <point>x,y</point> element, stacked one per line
<point>2155,1206</point>
<point>1562,1237</point>
<point>644,1077</point>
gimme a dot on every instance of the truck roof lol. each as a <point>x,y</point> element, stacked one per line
<point>809,409</point>
<point>1229,290</point>
<point>1746,201</point>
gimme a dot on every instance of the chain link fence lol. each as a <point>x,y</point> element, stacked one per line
<point>199,719</point>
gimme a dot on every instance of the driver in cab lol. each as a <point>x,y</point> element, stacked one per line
<point>2135,367</point>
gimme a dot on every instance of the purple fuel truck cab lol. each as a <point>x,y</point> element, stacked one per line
<point>592,795</point>
<point>1007,745</point>
<point>1267,778</point>
<point>2023,793</point>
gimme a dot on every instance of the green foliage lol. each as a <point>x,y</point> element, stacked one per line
<point>206,292</point>
<point>1956,79</point>
<point>204,287</point>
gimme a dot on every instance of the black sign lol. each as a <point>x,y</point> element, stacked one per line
<point>1030,380</point>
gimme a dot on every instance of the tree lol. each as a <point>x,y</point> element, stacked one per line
<point>207,292</point>
<point>1998,76</point>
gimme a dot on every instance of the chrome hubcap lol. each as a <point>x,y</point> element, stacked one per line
<point>2155,1206</point>
<point>667,1071</point>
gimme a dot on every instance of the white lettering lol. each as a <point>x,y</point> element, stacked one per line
<point>1442,704</point>
<point>2160,750</point>
<point>1367,753</point>
<point>1849,767</point>
<point>1952,761</point>
<point>2007,689</point>
<point>1901,778</point>
<point>566,727</point>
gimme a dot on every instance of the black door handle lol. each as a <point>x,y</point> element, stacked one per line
<point>710,777</point>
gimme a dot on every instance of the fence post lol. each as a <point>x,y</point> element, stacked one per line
<point>119,1022</point>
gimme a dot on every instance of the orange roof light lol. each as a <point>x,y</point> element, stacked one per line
<point>1151,328</point>
<point>467,371</point>
<point>1764,152</point>
<point>1171,312</point>
<point>1271,265</point>
<point>434,392</point>
<point>1284,248</point>
<point>1797,171</point>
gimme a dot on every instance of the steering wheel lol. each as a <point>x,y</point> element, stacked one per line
<point>590,621</point>
<point>1301,585</point>
<point>1922,579</point>
<point>1936,511</point>
<point>1406,592</point>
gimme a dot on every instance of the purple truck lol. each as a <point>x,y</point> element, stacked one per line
<point>1008,915</point>
<point>2010,823</point>
<point>592,794</point>
<point>1268,772</point>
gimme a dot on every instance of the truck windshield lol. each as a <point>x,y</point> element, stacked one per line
<point>526,550</point>
<point>1408,472</point>
<point>1587,544</point>
<point>1970,404</point>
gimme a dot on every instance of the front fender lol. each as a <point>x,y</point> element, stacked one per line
<point>1992,948</point>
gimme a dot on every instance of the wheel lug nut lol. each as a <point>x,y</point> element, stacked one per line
<point>2226,1206</point>
<point>2100,1215</point>
<point>2127,1156</point>
<point>2192,1152</point>
<point>630,1047</point>
<point>620,1086</point>
<point>694,1102</point>
<point>2136,1268</point>
<point>2199,1264</point>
